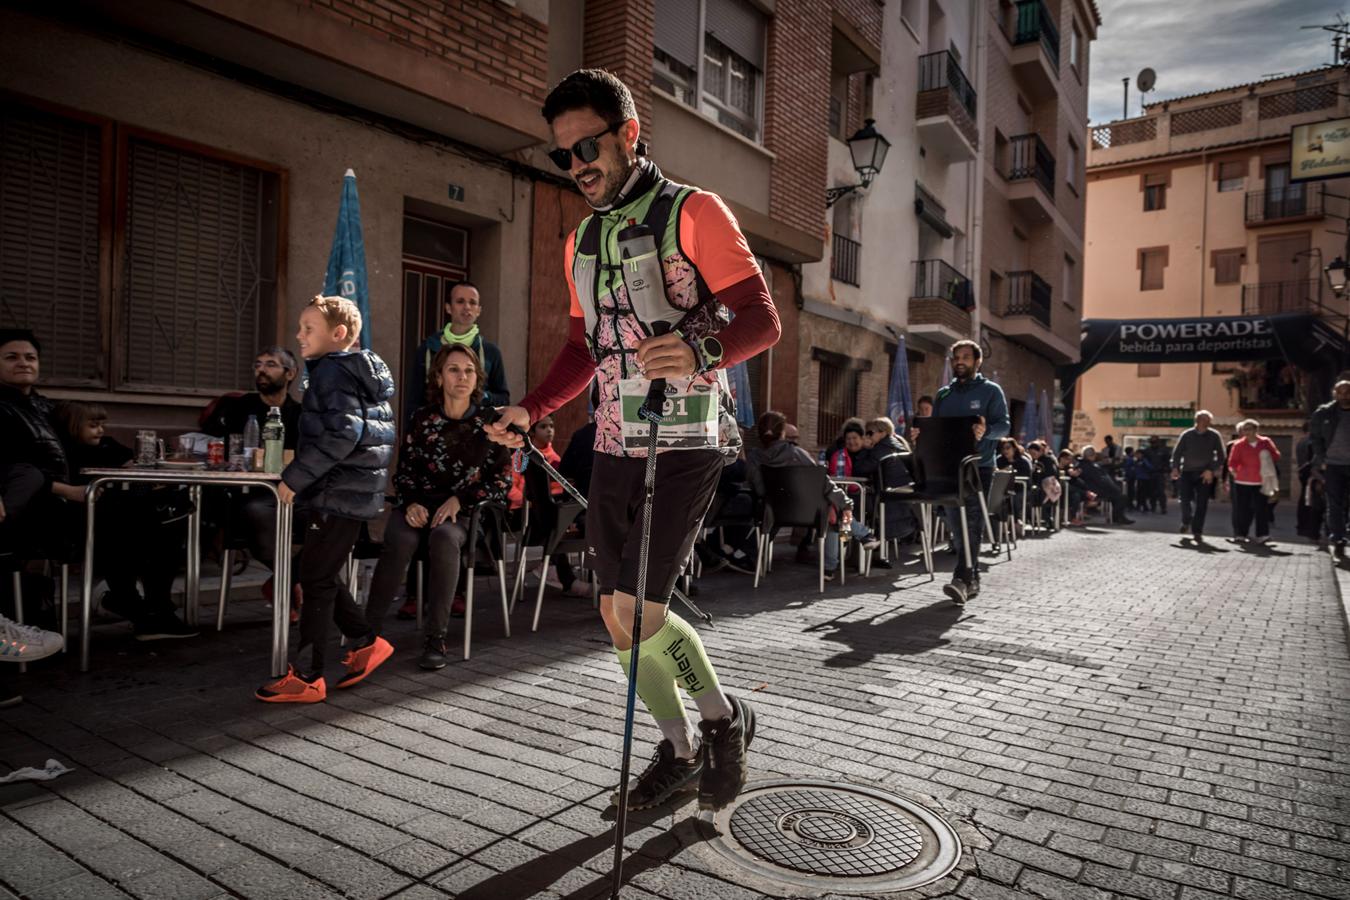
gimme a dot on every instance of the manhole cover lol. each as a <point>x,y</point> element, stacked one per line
<point>835,837</point>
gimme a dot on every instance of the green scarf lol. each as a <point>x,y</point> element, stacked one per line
<point>467,340</point>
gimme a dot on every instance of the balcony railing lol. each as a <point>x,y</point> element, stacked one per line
<point>1028,295</point>
<point>1295,201</point>
<point>938,71</point>
<point>845,260</point>
<point>1272,297</point>
<point>1028,157</point>
<point>936,279</point>
<point>1034,23</point>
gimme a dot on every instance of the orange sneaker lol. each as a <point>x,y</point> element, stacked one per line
<point>361,663</point>
<point>291,688</point>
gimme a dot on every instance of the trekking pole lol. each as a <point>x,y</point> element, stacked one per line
<point>651,410</point>
<point>490,415</point>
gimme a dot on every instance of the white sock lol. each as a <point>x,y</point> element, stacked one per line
<point>714,705</point>
<point>680,734</point>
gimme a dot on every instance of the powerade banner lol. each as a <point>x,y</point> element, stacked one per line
<point>1302,339</point>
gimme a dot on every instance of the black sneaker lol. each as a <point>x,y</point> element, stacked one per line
<point>665,776</point>
<point>167,627</point>
<point>725,743</point>
<point>832,574</point>
<point>956,589</point>
<point>434,649</point>
<point>1339,552</point>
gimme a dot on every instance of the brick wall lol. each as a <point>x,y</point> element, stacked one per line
<point>864,15</point>
<point>498,44</point>
<point>853,342</point>
<point>619,38</point>
<point>797,112</point>
<point>931,311</point>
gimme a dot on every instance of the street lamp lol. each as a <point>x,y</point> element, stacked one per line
<point>868,149</point>
<point>1337,270</point>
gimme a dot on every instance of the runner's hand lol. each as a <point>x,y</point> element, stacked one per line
<point>449,509</point>
<point>1176,475</point>
<point>510,415</point>
<point>665,356</point>
<point>415,515</point>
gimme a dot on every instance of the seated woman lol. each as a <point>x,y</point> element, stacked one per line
<point>1011,456</point>
<point>139,532</point>
<point>1068,465</point>
<point>773,451</point>
<point>446,467</point>
<point>880,438</point>
<point>1045,485</point>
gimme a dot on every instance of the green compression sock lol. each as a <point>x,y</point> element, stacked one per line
<point>654,684</point>
<point>683,659</point>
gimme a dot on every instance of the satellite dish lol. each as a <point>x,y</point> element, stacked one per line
<point>1145,80</point>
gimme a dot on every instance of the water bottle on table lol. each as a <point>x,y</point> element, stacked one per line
<point>274,441</point>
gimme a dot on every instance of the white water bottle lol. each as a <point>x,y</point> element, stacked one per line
<point>644,277</point>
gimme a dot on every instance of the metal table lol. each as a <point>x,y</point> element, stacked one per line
<point>1063,500</point>
<point>194,480</point>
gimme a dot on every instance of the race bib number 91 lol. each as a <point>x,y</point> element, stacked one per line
<point>689,419</point>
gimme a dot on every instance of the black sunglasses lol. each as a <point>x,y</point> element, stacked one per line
<point>587,149</point>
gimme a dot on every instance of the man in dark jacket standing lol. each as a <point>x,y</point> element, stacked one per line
<point>339,474</point>
<point>1330,433</point>
<point>971,394</point>
<point>462,310</point>
<point>1197,462</point>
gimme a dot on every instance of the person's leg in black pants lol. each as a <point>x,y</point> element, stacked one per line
<point>1202,492</point>
<point>1186,489</point>
<point>328,541</point>
<point>1336,481</point>
<point>1245,497</point>
<point>1263,512</point>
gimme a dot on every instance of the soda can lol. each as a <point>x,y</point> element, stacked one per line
<point>215,452</point>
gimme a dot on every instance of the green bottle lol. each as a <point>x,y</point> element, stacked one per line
<point>274,440</point>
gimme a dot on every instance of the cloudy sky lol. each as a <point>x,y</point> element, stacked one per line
<point>1199,45</point>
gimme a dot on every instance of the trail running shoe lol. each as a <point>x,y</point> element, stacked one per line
<point>725,743</point>
<point>362,662</point>
<point>666,776</point>
<point>291,688</point>
<point>26,643</point>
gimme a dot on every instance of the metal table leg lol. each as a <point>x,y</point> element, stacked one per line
<point>193,579</point>
<point>87,593</point>
<point>281,589</point>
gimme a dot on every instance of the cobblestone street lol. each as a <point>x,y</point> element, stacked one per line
<point>1116,715</point>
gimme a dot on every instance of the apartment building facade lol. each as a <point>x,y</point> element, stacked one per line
<point>1192,213</point>
<point>974,229</point>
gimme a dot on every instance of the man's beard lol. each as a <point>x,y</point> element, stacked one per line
<point>267,385</point>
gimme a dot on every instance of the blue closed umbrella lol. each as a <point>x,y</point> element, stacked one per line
<point>1030,418</point>
<point>899,406</point>
<point>1047,413</point>
<point>346,276</point>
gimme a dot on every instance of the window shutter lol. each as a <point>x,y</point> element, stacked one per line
<point>1151,264</point>
<point>196,272</point>
<point>1153,180</point>
<point>1230,170</point>
<point>49,230</point>
<point>740,28</point>
<point>1228,266</point>
<point>676,30</point>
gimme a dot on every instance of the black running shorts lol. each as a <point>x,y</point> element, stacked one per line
<point>685,483</point>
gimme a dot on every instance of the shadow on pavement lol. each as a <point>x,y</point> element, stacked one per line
<point>1199,546</point>
<point>909,634</point>
<point>546,870</point>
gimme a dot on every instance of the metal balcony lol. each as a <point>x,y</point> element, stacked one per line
<point>1035,56</point>
<point>1285,204</point>
<point>845,260</point>
<point>945,111</point>
<point>1272,297</point>
<point>1030,171</point>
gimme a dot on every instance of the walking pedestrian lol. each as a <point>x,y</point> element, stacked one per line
<point>708,266</point>
<point>1245,465</point>
<point>1330,433</point>
<point>1197,460</point>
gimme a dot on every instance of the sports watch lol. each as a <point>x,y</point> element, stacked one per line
<point>707,353</point>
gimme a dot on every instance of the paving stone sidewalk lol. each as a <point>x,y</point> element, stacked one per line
<point>1116,715</point>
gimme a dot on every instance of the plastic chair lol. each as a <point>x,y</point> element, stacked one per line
<point>547,524</point>
<point>486,532</point>
<point>795,496</point>
<point>942,479</point>
<point>1000,499</point>
<point>719,517</point>
<point>888,495</point>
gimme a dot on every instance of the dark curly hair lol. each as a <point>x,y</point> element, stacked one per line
<point>438,363</point>
<point>594,89</point>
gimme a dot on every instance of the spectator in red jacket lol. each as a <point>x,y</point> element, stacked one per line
<point>1244,467</point>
